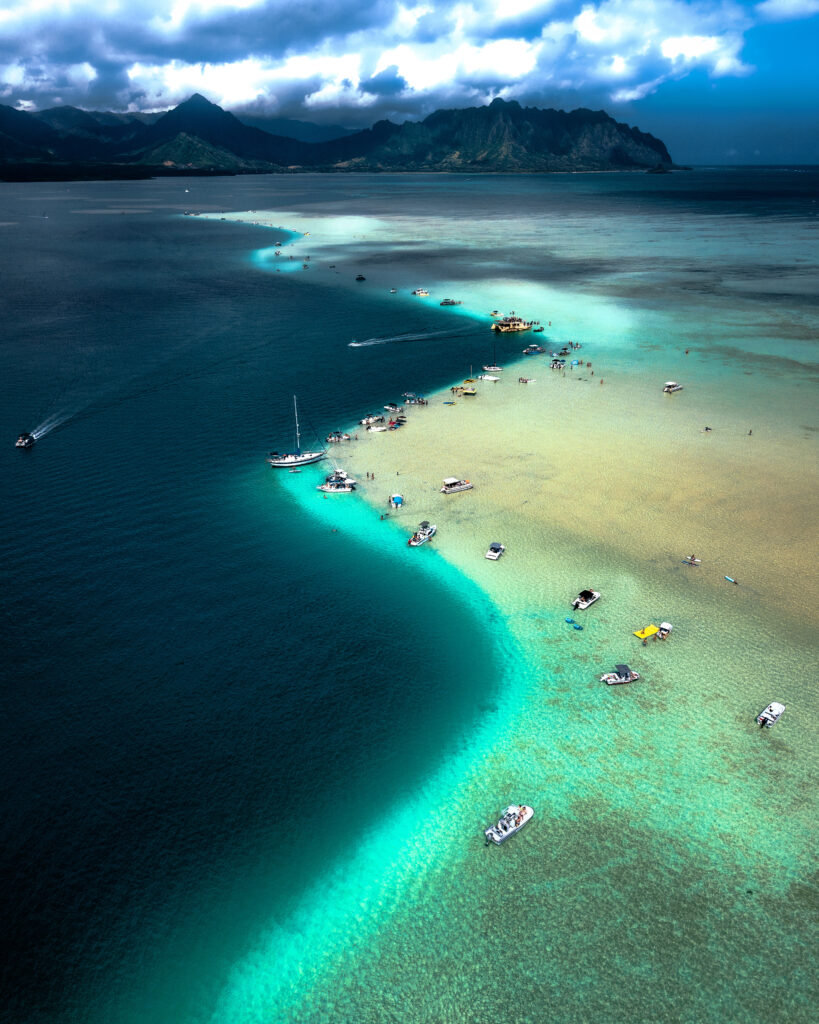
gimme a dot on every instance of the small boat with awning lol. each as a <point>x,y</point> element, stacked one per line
<point>621,674</point>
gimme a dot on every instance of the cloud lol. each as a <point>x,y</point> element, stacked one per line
<point>360,60</point>
<point>787,10</point>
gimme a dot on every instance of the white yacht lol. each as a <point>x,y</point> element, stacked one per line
<point>452,484</point>
<point>511,821</point>
<point>426,531</point>
<point>621,674</point>
<point>495,550</point>
<point>584,599</point>
<point>671,386</point>
<point>287,460</point>
<point>771,715</point>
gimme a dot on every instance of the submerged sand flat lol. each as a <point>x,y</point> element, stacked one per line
<point>654,882</point>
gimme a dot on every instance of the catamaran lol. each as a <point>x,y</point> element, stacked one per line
<point>287,460</point>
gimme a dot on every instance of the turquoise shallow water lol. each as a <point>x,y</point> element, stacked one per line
<point>217,647</point>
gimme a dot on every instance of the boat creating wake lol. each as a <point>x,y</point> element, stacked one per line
<point>396,338</point>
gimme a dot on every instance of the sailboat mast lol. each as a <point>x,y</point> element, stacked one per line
<point>298,437</point>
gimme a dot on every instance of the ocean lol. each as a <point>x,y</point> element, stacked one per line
<point>252,739</point>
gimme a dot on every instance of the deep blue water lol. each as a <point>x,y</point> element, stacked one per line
<point>189,659</point>
<point>188,656</point>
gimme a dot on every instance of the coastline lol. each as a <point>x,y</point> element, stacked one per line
<point>580,504</point>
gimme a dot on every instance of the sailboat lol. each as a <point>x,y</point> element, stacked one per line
<point>494,368</point>
<point>297,458</point>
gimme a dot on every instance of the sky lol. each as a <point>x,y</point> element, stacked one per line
<point>719,81</point>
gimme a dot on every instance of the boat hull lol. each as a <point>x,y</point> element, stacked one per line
<point>295,459</point>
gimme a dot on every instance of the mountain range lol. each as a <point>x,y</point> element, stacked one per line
<point>200,137</point>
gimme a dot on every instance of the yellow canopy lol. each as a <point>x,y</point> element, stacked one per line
<point>648,631</point>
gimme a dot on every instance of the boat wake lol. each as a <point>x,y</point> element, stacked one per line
<point>51,423</point>
<point>396,338</point>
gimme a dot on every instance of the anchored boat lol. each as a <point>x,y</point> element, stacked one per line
<point>496,549</point>
<point>426,531</point>
<point>621,674</point>
<point>584,599</point>
<point>511,821</point>
<point>771,715</point>
<point>452,484</point>
<point>297,458</point>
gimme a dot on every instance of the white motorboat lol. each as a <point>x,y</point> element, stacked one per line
<point>286,460</point>
<point>511,821</point>
<point>396,501</point>
<point>487,376</point>
<point>771,715</point>
<point>664,631</point>
<point>621,674</point>
<point>377,428</point>
<point>371,418</point>
<point>451,302</point>
<point>584,599</point>
<point>338,482</point>
<point>422,292</point>
<point>526,380</point>
<point>495,550</point>
<point>392,407</point>
<point>426,531</point>
<point>452,485</point>
<point>336,437</point>
<point>671,386</point>
<point>25,440</point>
<point>493,369</point>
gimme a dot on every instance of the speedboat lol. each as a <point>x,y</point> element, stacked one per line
<point>392,407</point>
<point>451,302</point>
<point>338,482</point>
<point>336,436</point>
<point>487,376</point>
<point>396,500</point>
<point>538,330</point>
<point>371,418</point>
<point>495,550</point>
<point>420,291</point>
<point>25,440</point>
<point>664,631</point>
<point>526,380</point>
<point>621,674</point>
<point>511,821</point>
<point>584,599</point>
<point>493,369</point>
<point>771,715</point>
<point>287,460</point>
<point>452,484</point>
<point>377,428</point>
<point>426,531</point>
<point>671,386</point>
<point>360,277</point>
